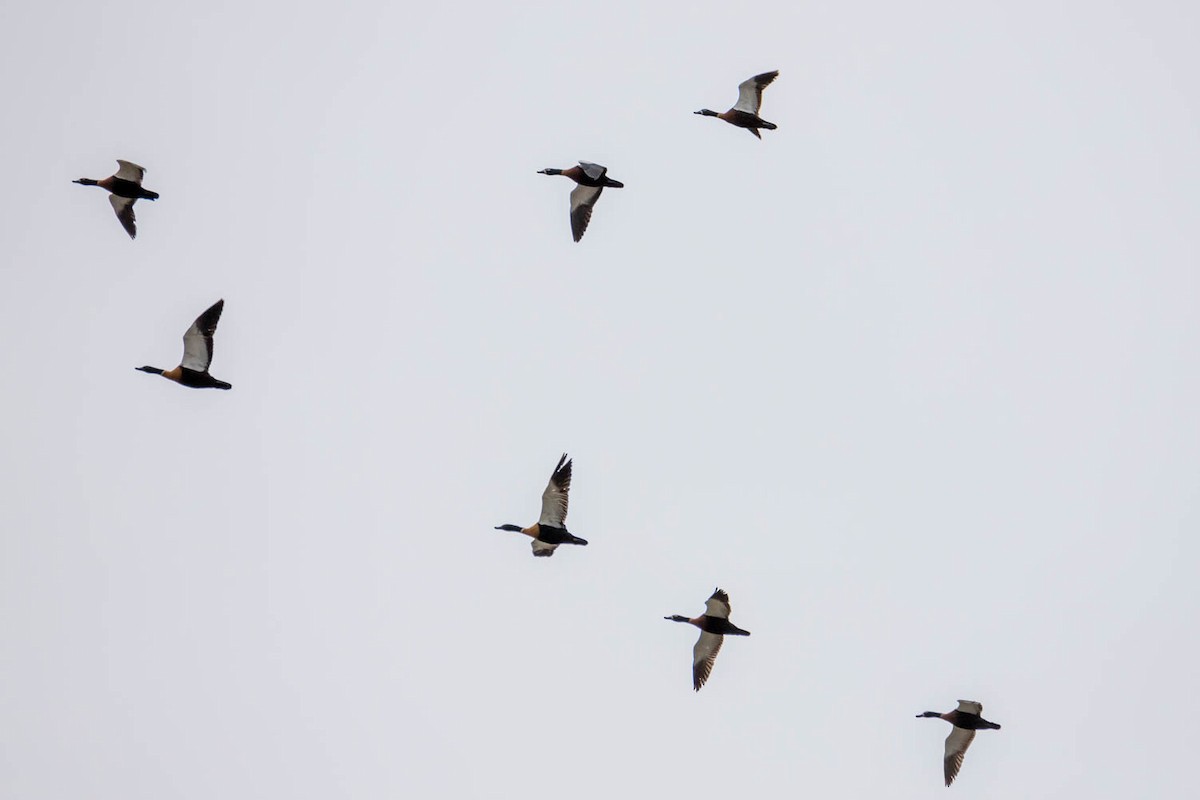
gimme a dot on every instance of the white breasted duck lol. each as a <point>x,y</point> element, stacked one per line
<point>125,189</point>
<point>744,114</point>
<point>592,178</point>
<point>966,721</point>
<point>550,530</point>
<point>197,353</point>
<point>714,624</point>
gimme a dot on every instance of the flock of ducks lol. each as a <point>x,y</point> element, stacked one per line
<point>125,189</point>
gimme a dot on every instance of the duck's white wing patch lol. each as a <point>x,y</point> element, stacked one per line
<point>197,350</point>
<point>750,92</point>
<point>718,605</point>
<point>704,655</point>
<point>124,208</point>
<point>970,707</point>
<point>130,171</point>
<point>956,747</point>
<point>543,549</point>
<point>556,497</point>
<point>593,171</point>
<point>583,198</point>
<point>198,339</point>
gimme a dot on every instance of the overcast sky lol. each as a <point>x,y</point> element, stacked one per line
<point>913,379</point>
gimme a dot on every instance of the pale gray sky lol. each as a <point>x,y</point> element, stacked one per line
<point>914,379</point>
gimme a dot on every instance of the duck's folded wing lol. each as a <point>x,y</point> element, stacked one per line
<point>704,655</point>
<point>718,605</point>
<point>130,171</point>
<point>582,200</point>
<point>543,549</point>
<point>198,339</point>
<point>750,92</point>
<point>556,496</point>
<point>124,208</point>
<point>956,747</point>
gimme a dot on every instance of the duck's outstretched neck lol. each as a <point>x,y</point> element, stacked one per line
<point>87,182</point>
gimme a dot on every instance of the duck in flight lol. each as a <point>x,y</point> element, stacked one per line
<point>197,353</point>
<point>744,113</point>
<point>592,178</point>
<point>125,189</point>
<point>550,530</point>
<point>714,624</point>
<point>966,721</point>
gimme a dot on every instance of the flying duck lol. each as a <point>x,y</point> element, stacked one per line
<point>197,353</point>
<point>966,721</point>
<point>550,531</point>
<point>125,189</point>
<point>744,114</point>
<point>713,624</point>
<point>592,178</point>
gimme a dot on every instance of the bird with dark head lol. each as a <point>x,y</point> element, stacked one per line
<point>744,113</point>
<point>592,180</point>
<point>197,353</point>
<point>966,720</point>
<point>125,188</point>
<point>551,530</point>
<point>714,626</point>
